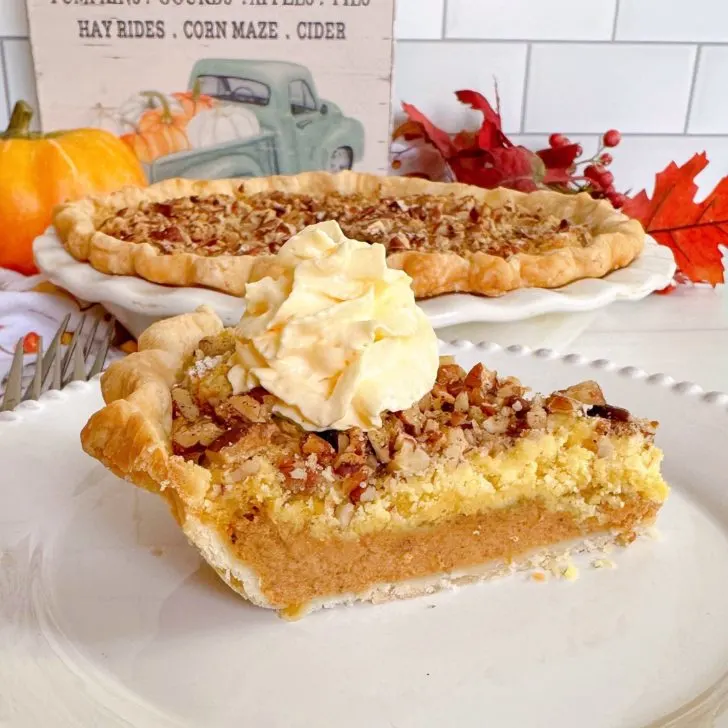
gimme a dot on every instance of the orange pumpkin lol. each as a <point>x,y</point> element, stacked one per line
<point>39,171</point>
<point>192,102</point>
<point>159,132</point>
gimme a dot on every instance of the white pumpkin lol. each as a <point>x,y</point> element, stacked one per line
<point>106,118</point>
<point>224,123</point>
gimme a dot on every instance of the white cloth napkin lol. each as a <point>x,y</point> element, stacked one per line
<point>29,304</point>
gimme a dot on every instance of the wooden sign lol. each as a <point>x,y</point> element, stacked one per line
<point>221,88</point>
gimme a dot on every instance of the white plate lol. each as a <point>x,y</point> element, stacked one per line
<point>109,618</point>
<point>138,303</point>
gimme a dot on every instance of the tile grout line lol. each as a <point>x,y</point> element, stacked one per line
<point>639,134</point>
<point>566,41</point>
<point>443,28</point>
<point>526,79</point>
<point>616,20</point>
<point>5,78</point>
<point>691,94</point>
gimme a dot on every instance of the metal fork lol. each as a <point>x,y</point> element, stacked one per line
<point>56,368</point>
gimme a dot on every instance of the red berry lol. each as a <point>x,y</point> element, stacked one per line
<point>617,199</point>
<point>579,150</point>
<point>612,138</point>
<point>606,178</point>
<point>558,140</point>
<point>605,159</point>
<point>593,173</point>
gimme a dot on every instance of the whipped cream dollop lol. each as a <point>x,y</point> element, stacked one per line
<point>334,334</point>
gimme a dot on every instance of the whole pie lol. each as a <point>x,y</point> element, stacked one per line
<point>448,237</point>
<point>473,477</point>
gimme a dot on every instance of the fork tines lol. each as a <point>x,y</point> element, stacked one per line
<point>56,368</point>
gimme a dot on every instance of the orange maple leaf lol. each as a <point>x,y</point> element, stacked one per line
<point>692,230</point>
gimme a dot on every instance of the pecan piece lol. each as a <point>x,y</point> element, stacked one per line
<point>476,377</point>
<point>379,440</point>
<point>202,432</point>
<point>184,403</point>
<point>457,419</point>
<point>318,447</point>
<point>609,412</point>
<point>461,404</point>
<point>227,438</point>
<point>241,406</point>
<point>588,392</point>
<point>410,458</point>
<point>449,373</point>
<point>295,473</point>
<point>413,419</point>
<point>558,403</point>
<point>398,242</point>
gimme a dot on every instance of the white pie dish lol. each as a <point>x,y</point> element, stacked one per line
<point>112,619</point>
<point>137,303</point>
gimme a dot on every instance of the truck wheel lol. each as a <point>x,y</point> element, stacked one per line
<point>341,158</point>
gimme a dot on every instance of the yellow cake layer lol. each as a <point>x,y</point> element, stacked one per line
<point>571,469</point>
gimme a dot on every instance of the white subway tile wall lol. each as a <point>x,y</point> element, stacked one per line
<point>690,21</point>
<point>419,18</point>
<point>585,87</point>
<point>709,109</point>
<point>427,74</point>
<point>655,69</point>
<point>531,19</point>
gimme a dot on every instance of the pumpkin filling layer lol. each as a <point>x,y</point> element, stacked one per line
<point>479,469</point>
<point>260,224</point>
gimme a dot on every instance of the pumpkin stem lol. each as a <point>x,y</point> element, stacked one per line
<point>20,119</point>
<point>196,90</point>
<point>156,96</point>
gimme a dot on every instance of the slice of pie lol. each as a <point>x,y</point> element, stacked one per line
<point>447,237</point>
<point>475,476</point>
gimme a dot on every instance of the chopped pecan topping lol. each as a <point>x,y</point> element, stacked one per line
<point>241,224</point>
<point>463,411</point>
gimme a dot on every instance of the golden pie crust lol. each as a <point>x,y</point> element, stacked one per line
<point>448,237</point>
<point>289,537</point>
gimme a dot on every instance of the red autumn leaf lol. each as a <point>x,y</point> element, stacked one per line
<point>491,133</point>
<point>439,138</point>
<point>486,158</point>
<point>30,343</point>
<point>692,230</point>
<point>514,167</point>
<point>478,102</point>
<point>465,140</point>
<point>558,161</point>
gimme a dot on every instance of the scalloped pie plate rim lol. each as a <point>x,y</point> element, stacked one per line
<point>652,270</point>
<point>109,618</point>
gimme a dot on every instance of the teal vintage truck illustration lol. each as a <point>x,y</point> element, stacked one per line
<point>268,119</point>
